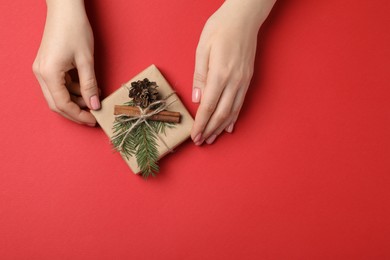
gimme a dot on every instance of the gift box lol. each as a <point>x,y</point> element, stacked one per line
<point>172,137</point>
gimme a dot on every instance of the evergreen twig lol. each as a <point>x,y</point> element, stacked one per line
<point>141,142</point>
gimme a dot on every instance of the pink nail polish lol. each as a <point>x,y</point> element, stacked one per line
<point>197,138</point>
<point>195,95</point>
<point>230,128</point>
<point>211,139</point>
<point>199,143</point>
<point>95,103</point>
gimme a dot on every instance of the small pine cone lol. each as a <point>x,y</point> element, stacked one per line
<point>143,92</point>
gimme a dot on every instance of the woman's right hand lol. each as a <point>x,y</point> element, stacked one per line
<point>67,44</point>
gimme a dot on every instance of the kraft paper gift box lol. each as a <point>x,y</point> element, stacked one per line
<point>174,136</point>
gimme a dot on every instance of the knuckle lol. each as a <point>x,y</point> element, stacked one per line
<point>249,74</point>
<point>236,86</point>
<point>209,107</point>
<point>35,68</point>
<point>222,74</point>
<point>240,79</point>
<point>89,85</point>
<point>85,60</point>
<point>62,106</point>
<point>53,107</point>
<point>236,80</point>
<point>199,78</point>
<point>238,76</point>
<point>236,111</point>
<point>222,116</point>
<point>219,130</point>
<point>46,69</point>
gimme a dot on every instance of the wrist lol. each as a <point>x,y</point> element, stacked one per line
<point>61,3</point>
<point>67,7</point>
<point>66,13</point>
<point>253,12</point>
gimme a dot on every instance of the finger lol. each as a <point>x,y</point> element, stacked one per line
<point>200,73</point>
<point>231,126</point>
<point>55,83</point>
<point>69,108</point>
<point>73,87</point>
<point>211,95</point>
<point>47,94</point>
<point>222,115</point>
<point>236,109</point>
<point>78,100</point>
<point>239,101</point>
<point>228,124</point>
<point>88,84</point>
<point>50,101</point>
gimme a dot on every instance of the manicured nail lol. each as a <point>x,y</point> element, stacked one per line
<point>198,140</point>
<point>95,103</point>
<point>230,128</point>
<point>211,139</point>
<point>195,95</point>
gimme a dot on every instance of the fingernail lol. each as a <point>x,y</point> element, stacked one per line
<point>230,128</point>
<point>195,95</point>
<point>95,103</point>
<point>91,125</point>
<point>211,139</point>
<point>198,140</point>
<point>199,143</point>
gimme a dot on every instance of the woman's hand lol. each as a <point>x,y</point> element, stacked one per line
<point>224,66</point>
<point>67,44</point>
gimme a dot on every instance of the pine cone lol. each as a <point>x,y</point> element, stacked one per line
<point>143,92</point>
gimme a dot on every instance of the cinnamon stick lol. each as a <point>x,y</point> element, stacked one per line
<point>164,116</point>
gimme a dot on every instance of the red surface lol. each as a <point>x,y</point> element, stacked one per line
<point>306,175</point>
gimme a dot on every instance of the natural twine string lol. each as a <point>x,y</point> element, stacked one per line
<point>145,114</point>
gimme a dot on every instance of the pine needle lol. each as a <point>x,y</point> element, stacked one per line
<point>142,142</point>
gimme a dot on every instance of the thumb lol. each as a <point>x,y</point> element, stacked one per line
<point>200,73</point>
<point>88,85</point>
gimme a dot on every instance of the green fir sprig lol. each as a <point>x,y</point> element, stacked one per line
<point>141,142</point>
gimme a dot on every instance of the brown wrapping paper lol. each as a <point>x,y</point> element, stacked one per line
<point>174,136</point>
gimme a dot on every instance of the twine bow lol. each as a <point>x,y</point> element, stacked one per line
<point>145,114</point>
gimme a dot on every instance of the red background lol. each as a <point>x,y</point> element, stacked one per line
<point>304,176</point>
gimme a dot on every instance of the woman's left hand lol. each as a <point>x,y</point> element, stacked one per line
<point>224,66</point>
